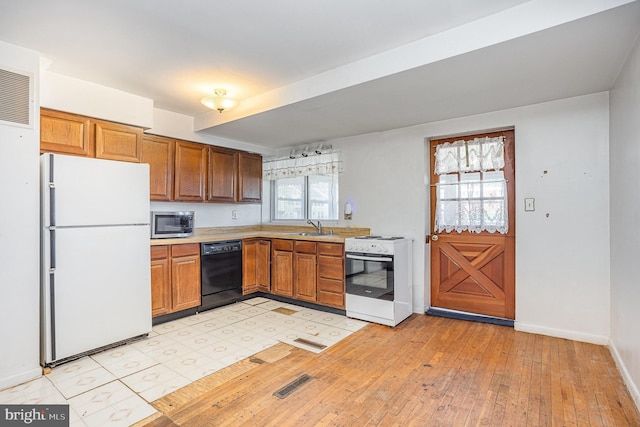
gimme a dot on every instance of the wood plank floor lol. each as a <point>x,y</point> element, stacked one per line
<point>428,371</point>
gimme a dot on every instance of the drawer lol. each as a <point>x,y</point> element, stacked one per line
<point>330,285</point>
<point>332,249</point>
<point>305,247</point>
<point>282,245</point>
<point>185,250</point>
<point>330,267</point>
<point>159,252</point>
<point>331,299</point>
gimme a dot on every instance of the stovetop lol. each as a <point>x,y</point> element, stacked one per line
<point>378,237</point>
<point>374,244</point>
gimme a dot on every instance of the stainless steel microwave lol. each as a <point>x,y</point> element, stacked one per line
<point>172,224</point>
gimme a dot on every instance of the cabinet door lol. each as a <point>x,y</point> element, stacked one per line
<point>263,266</point>
<point>190,171</point>
<point>158,152</point>
<point>160,280</point>
<point>305,276</point>
<point>249,177</point>
<point>185,276</point>
<point>223,172</point>
<point>117,142</point>
<point>249,266</point>
<point>185,272</point>
<point>282,273</point>
<point>65,133</point>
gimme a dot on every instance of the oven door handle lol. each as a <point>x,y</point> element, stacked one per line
<point>369,258</point>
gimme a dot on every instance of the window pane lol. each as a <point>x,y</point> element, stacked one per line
<point>323,197</point>
<point>449,187</point>
<point>289,198</point>
<point>473,201</point>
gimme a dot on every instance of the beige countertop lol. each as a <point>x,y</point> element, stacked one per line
<point>214,234</point>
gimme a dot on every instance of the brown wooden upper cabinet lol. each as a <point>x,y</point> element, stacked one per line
<point>234,176</point>
<point>249,177</point>
<point>190,172</point>
<point>223,175</point>
<point>117,142</point>
<point>67,133</point>
<point>159,153</point>
<point>179,170</point>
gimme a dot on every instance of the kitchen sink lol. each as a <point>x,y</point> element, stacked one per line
<point>309,234</point>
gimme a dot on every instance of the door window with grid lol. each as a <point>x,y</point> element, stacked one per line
<point>471,194</point>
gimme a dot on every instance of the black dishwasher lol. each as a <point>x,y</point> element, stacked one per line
<point>221,273</point>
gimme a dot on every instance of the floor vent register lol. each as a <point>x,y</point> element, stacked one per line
<point>293,386</point>
<point>310,343</point>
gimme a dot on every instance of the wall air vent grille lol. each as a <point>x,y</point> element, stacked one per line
<point>15,98</point>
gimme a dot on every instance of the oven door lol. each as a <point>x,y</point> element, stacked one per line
<point>369,275</point>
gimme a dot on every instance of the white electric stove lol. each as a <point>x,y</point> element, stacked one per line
<point>379,285</point>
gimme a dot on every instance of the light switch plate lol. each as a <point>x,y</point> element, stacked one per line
<point>530,204</point>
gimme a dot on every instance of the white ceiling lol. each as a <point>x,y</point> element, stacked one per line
<point>312,70</point>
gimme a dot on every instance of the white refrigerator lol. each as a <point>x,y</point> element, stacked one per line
<point>95,264</point>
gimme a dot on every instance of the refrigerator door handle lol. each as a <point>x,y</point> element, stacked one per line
<point>52,194</point>
<point>52,293</point>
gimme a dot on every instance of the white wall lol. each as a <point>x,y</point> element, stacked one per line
<point>175,125</point>
<point>625,222</point>
<point>216,214</point>
<point>60,92</point>
<point>562,261</point>
<point>19,236</point>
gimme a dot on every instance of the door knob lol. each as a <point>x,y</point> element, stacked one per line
<point>434,237</point>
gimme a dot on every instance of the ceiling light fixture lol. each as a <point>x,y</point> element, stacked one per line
<point>218,101</point>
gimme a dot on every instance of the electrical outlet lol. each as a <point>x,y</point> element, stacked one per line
<point>234,214</point>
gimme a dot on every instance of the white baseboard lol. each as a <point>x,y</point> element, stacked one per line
<point>561,333</point>
<point>22,377</point>
<point>624,373</point>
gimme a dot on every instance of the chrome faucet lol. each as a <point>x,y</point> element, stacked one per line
<point>317,227</point>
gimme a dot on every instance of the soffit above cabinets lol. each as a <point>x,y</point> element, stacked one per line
<point>316,70</point>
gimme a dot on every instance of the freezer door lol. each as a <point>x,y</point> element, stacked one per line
<point>100,292</point>
<point>93,191</point>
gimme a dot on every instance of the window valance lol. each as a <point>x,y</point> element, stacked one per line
<point>479,154</point>
<point>318,164</point>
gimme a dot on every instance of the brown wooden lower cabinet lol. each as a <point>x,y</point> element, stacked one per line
<point>160,280</point>
<point>256,266</point>
<point>308,271</point>
<point>304,271</point>
<point>175,278</point>
<point>331,286</point>
<point>282,267</point>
